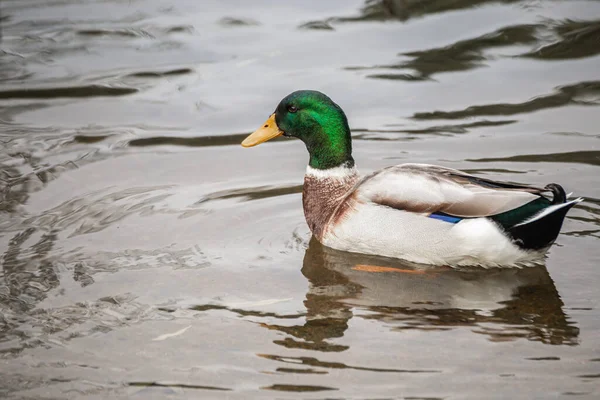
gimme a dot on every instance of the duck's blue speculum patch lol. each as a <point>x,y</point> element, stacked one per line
<point>445,217</point>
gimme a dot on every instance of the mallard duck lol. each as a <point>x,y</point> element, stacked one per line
<point>417,212</point>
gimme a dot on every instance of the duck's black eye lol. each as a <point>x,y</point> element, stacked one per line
<point>292,108</point>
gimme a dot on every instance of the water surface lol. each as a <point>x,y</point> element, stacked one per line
<point>145,254</point>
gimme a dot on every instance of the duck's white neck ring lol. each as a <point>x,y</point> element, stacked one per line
<point>340,172</point>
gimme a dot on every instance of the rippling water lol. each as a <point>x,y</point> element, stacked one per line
<point>145,254</point>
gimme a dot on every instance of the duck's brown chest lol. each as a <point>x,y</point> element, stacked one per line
<point>322,197</point>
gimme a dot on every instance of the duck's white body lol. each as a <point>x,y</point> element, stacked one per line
<point>420,239</point>
<point>389,214</point>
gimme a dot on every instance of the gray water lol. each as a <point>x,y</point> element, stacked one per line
<point>145,254</point>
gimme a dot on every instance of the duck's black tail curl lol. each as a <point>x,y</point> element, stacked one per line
<point>558,193</point>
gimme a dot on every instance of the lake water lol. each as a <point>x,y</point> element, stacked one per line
<point>145,254</point>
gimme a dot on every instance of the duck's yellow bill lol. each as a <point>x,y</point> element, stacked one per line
<point>267,131</point>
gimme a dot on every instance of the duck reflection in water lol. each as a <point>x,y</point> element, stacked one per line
<point>504,304</point>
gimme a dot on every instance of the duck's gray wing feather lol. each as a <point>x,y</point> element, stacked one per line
<point>424,188</point>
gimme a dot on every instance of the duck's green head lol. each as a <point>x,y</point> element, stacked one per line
<point>316,120</point>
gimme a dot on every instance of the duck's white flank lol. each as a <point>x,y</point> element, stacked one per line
<point>340,172</point>
<point>417,238</point>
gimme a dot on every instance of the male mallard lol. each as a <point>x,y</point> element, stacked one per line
<point>417,212</point>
